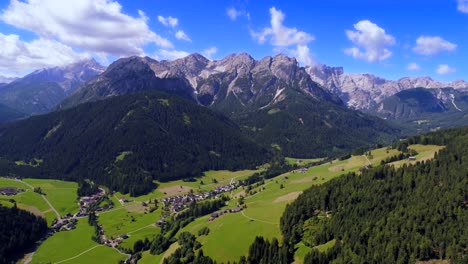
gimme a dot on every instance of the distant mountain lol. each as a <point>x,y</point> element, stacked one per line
<point>41,90</point>
<point>126,142</point>
<point>8,114</point>
<point>6,80</point>
<point>366,91</point>
<point>426,109</point>
<point>248,91</point>
<point>127,76</point>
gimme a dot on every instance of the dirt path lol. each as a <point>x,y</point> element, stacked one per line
<point>263,221</point>
<point>82,253</point>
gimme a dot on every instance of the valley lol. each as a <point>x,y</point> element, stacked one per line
<point>264,204</point>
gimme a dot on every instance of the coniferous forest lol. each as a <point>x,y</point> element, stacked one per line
<point>388,215</point>
<point>19,230</point>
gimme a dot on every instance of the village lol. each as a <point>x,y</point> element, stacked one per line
<point>176,204</point>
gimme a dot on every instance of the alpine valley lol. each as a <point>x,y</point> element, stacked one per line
<point>234,160</point>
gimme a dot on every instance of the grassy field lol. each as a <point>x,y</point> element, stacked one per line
<point>425,152</point>
<point>76,243</point>
<point>27,200</point>
<point>61,194</point>
<point>300,161</point>
<point>132,220</point>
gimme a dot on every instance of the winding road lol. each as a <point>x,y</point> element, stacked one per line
<point>43,197</point>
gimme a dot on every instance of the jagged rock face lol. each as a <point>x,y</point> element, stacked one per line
<point>239,81</point>
<point>366,91</point>
<point>233,84</point>
<point>41,90</point>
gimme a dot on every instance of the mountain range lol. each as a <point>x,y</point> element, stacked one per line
<point>365,91</point>
<point>41,90</point>
<point>273,100</point>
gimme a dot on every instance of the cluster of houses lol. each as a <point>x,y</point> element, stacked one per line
<point>180,202</point>
<point>115,242</point>
<point>65,224</point>
<point>225,211</point>
<point>87,201</point>
<point>9,191</point>
<point>302,170</point>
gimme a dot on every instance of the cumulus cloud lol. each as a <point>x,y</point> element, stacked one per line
<point>168,21</point>
<point>171,54</point>
<point>282,36</point>
<point>445,69</point>
<point>209,52</point>
<point>413,67</point>
<point>96,26</point>
<point>182,36</point>
<point>463,6</point>
<point>427,45</point>
<point>234,13</point>
<point>17,56</point>
<point>370,42</point>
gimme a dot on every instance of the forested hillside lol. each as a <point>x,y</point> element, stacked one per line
<point>305,127</point>
<point>18,231</point>
<point>388,215</point>
<point>127,142</point>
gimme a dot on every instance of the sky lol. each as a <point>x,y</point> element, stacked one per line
<point>387,38</point>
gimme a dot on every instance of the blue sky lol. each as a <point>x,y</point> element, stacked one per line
<point>388,38</point>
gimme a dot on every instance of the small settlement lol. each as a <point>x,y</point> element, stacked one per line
<point>178,203</point>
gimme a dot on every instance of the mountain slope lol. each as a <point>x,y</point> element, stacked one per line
<point>245,90</point>
<point>127,76</point>
<point>127,142</point>
<point>303,127</point>
<point>41,90</point>
<point>426,109</point>
<point>8,114</point>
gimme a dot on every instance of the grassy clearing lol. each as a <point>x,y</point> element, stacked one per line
<point>425,152</point>
<point>61,194</point>
<point>299,161</point>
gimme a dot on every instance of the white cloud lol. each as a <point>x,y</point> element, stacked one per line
<point>209,52</point>
<point>427,45</point>
<point>181,35</point>
<point>96,26</point>
<point>445,69</point>
<point>413,66</point>
<point>282,36</point>
<point>302,54</point>
<point>171,54</point>
<point>370,42</point>
<point>168,21</point>
<point>463,6</point>
<point>234,13</point>
<point>18,56</point>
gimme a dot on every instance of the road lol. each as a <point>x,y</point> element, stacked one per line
<point>43,197</point>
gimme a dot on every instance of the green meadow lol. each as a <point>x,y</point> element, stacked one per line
<point>75,246</point>
<point>61,194</point>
